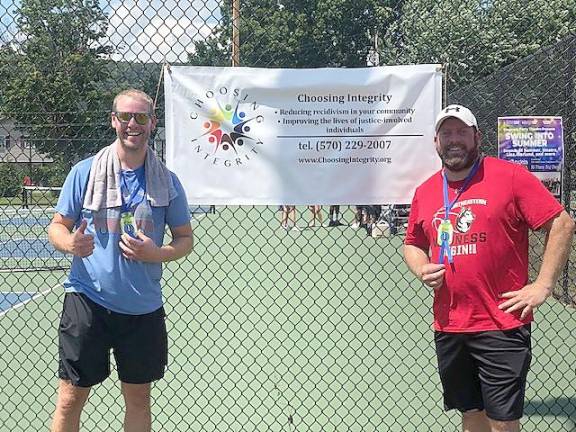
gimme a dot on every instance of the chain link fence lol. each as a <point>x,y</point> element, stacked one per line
<point>320,329</point>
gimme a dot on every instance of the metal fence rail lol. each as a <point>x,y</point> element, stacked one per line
<point>321,329</point>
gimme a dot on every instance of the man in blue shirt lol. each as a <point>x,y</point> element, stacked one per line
<point>111,215</point>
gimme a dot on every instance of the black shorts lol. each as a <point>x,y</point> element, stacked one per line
<point>89,331</point>
<point>485,371</point>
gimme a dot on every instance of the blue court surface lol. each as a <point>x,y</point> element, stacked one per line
<point>28,248</point>
<point>25,221</point>
<point>31,245</point>
<point>11,299</point>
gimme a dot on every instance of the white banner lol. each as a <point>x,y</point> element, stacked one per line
<point>302,136</point>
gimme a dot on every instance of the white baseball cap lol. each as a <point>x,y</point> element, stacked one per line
<point>457,111</point>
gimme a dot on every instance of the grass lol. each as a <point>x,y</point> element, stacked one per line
<point>35,199</point>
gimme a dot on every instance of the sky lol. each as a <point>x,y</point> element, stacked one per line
<point>6,15</point>
<point>145,31</point>
<point>155,30</point>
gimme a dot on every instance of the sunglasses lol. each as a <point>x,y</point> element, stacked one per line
<point>125,117</point>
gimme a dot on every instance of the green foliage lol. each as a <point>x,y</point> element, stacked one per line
<point>290,33</point>
<point>10,179</point>
<point>12,176</point>
<point>475,37</point>
<point>52,174</point>
<point>49,76</point>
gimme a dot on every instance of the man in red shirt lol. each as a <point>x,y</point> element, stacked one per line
<point>467,239</point>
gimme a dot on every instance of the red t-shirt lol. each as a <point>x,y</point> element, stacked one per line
<point>491,219</point>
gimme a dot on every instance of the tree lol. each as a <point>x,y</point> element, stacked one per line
<point>475,37</point>
<point>511,57</point>
<point>50,74</point>
<point>297,33</point>
<point>10,180</point>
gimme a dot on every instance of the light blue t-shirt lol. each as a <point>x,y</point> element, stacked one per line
<point>106,277</point>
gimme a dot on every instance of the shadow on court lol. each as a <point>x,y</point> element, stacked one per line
<point>556,407</point>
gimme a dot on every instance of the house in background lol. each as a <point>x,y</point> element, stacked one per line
<point>16,147</point>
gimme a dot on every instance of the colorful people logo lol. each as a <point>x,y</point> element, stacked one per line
<point>227,128</point>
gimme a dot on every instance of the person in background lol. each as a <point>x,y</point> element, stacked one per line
<point>316,211</point>
<point>288,215</point>
<point>334,216</point>
<point>359,218</point>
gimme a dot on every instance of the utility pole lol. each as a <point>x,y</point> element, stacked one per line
<point>235,32</point>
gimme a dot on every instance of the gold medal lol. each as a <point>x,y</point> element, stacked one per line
<point>445,229</point>
<point>128,224</point>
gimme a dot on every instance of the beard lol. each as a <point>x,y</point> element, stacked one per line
<point>457,158</point>
<point>131,146</point>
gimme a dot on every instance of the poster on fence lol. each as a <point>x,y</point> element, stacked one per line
<point>248,136</point>
<point>536,142</point>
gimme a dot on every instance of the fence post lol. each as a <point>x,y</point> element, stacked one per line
<point>569,149</point>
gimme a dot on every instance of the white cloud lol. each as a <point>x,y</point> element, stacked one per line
<point>156,30</point>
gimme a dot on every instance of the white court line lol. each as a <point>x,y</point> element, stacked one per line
<point>34,297</point>
<point>23,239</point>
<point>44,211</point>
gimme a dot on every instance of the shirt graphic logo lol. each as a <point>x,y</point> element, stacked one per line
<point>466,240</point>
<point>464,219</point>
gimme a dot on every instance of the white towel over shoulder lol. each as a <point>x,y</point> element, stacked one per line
<point>103,190</point>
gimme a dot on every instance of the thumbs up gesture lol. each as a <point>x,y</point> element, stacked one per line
<point>81,244</point>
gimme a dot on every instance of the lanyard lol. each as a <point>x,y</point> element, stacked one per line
<point>130,199</point>
<point>446,224</point>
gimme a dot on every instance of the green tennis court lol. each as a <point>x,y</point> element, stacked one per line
<point>318,330</point>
